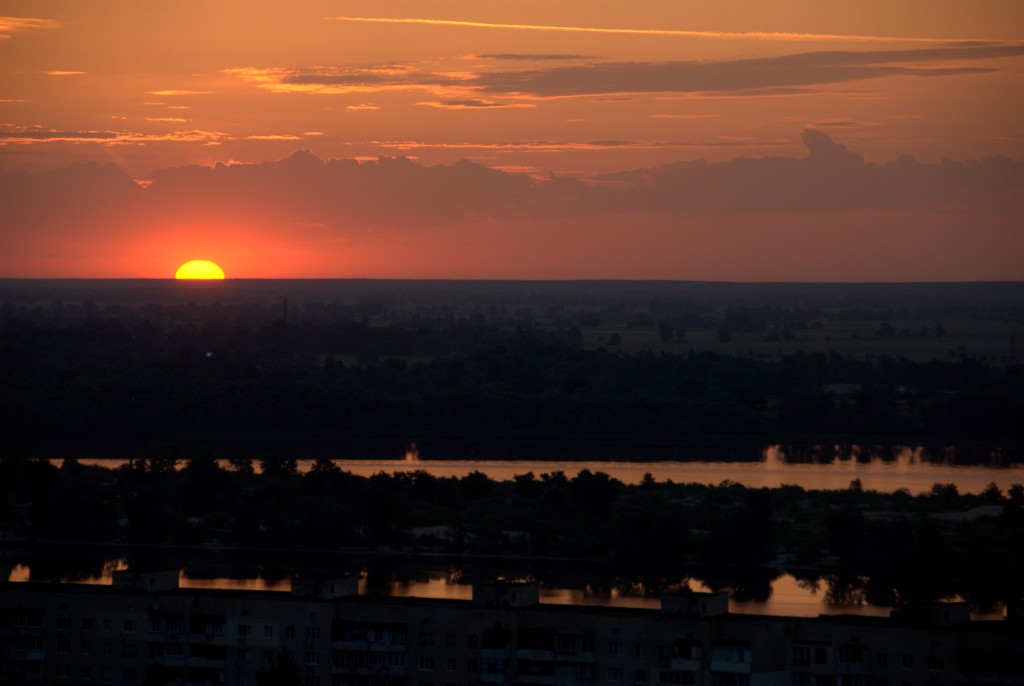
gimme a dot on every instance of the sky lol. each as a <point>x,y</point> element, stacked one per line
<point>734,140</point>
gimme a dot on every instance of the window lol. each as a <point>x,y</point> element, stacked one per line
<point>108,648</point>
<point>851,655</point>
<point>820,656</point>
<point>108,625</point>
<point>583,672</point>
<point>268,631</point>
<point>935,663</point>
<point>63,622</point>
<point>426,639</point>
<point>614,674</point>
<point>86,672</point>
<point>614,648</point>
<point>86,623</point>
<point>449,641</point>
<point>882,659</point>
<point>640,676</point>
<point>426,663</point>
<point>641,650</point>
<point>63,672</point>
<point>313,633</point>
<point>907,661</point>
<point>450,664</point>
<point>801,655</point>
<point>86,648</point>
<point>312,659</point>
<point>730,652</point>
<point>129,650</point>
<point>243,630</point>
<point>289,632</point>
<point>677,677</point>
<point>130,626</point>
<point>63,647</point>
<point>128,675</point>
<point>243,654</point>
<point>822,680</point>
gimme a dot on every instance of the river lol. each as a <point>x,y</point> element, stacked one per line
<point>806,595</point>
<point>902,467</point>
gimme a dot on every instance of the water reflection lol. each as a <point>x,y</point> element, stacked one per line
<point>759,591</point>
<point>257,583</point>
<point>817,467</point>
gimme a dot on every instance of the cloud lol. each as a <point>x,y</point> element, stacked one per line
<point>830,177</point>
<point>472,104</point>
<point>12,25</point>
<point>787,75</point>
<point>565,146</point>
<point>341,80</point>
<point>651,216</point>
<point>620,31</point>
<point>166,119</point>
<point>530,57</point>
<point>28,135</point>
<point>274,137</point>
<point>745,75</point>
<point>178,92</point>
<point>63,73</point>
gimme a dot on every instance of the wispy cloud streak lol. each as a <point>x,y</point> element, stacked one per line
<point>29,135</point>
<point>763,73</point>
<point>791,74</point>
<point>678,33</point>
<point>12,25</point>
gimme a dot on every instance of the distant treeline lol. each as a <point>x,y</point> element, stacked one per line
<point>895,547</point>
<point>115,382</point>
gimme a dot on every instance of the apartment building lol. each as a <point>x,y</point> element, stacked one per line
<point>146,630</point>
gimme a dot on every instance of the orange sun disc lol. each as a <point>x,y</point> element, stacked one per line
<point>199,269</point>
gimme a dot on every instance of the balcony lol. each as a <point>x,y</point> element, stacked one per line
<point>733,658</point>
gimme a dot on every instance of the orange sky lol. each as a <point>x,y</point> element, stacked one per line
<point>545,94</point>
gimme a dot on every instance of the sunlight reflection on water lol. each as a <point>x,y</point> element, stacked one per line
<point>789,596</point>
<point>824,468</point>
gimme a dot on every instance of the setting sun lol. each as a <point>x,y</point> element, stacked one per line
<point>199,269</point>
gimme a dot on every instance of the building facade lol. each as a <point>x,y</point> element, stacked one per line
<point>145,630</point>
